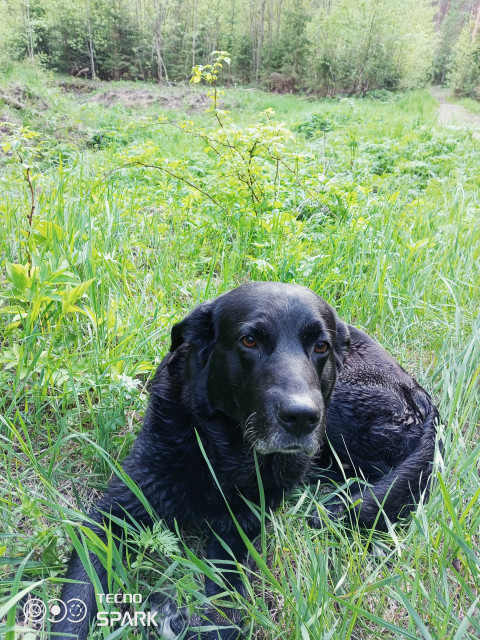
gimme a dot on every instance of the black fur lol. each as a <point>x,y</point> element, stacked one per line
<point>308,372</point>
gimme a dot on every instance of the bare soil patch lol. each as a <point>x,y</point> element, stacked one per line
<point>21,97</point>
<point>166,97</point>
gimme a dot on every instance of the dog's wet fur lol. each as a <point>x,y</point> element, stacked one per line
<point>265,371</point>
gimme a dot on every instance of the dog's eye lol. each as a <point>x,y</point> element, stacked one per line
<point>321,347</point>
<point>249,342</point>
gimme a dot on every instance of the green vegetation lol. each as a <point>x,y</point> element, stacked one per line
<point>458,53</point>
<point>324,47</point>
<point>464,77</point>
<point>470,104</point>
<point>328,47</point>
<point>360,199</point>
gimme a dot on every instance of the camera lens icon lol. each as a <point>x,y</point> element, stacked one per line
<point>34,611</point>
<point>77,610</point>
<point>58,610</point>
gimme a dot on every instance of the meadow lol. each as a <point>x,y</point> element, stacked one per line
<point>144,207</point>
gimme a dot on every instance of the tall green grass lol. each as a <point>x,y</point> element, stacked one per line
<point>380,218</point>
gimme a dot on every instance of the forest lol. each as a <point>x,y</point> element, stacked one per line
<point>321,46</point>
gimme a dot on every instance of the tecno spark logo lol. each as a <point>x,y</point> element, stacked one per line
<point>132,619</point>
<point>56,610</point>
<point>75,610</point>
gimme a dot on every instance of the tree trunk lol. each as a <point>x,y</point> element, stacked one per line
<point>279,20</point>
<point>477,23</point>
<point>29,35</point>
<point>90,41</point>
<point>194,30</point>
<point>160,12</point>
<point>261,32</point>
<point>442,11</point>
<point>358,84</point>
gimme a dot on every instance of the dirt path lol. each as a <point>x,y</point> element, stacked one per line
<point>454,114</point>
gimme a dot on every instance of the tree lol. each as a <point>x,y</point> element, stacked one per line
<point>326,45</point>
<point>159,14</point>
<point>464,73</point>
<point>88,24</point>
<point>450,20</point>
<point>9,31</point>
<point>358,45</point>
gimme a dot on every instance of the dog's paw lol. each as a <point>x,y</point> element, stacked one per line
<point>174,622</point>
<point>171,620</point>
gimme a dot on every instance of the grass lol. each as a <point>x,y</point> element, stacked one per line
<point>470,104</point>
<point>372,208</point>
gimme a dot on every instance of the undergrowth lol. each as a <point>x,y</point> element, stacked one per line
<point>115,222</point>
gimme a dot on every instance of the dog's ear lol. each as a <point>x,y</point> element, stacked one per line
<point>340,351</point>
<point>196,329</point>
<point>342,343</point>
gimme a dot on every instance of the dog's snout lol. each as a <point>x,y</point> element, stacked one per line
<point>298,415</point>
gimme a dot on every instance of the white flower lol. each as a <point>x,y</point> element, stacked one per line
<point>127,383</point>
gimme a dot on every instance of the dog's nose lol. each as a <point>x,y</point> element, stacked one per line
<point>298,416</point>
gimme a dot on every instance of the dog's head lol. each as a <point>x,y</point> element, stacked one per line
<point>266,355</point>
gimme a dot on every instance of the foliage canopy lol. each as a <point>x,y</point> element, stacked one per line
<point>328,47</point>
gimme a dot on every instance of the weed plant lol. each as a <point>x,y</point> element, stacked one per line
<point>366,203</point>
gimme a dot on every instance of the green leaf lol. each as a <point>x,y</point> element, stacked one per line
<point>50,554</point>
<point>49,230</point>
<point>18,275</point>
<point>77,292</point>
<point>10,309</point>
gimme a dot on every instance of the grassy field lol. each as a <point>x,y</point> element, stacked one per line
<point>362,200</point>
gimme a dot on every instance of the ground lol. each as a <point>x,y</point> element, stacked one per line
<point>164,96</point>
<point>450,113</point>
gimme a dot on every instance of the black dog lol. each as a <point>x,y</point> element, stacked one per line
<point>269,368</point>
